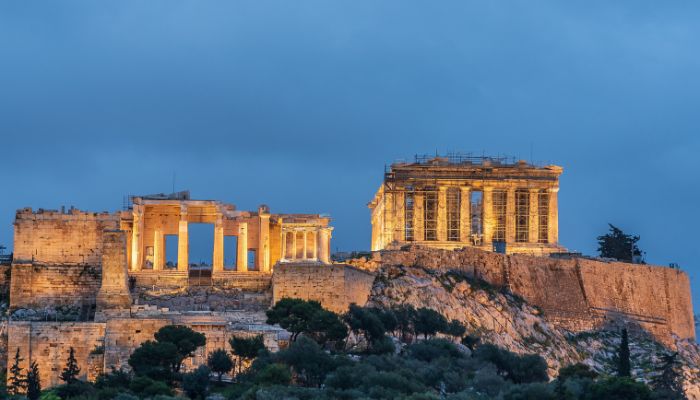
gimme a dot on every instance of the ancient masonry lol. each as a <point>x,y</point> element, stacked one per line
<point>456,201</point>
<point>102,283</point>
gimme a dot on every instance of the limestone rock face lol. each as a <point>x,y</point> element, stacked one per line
<point>507,321</point>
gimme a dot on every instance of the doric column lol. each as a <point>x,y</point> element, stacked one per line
<point>294,245</point>
<point>324,245</point>
<point>304,247</point>
<point>283,241</point>
<point>442,214</point>
<point>263,260</point>
<point>242,256</point>
<point>487,221</point>
<point>315,241</point>
<point>510,215</point>
<point>553,220</point>
<point>136,238</point>
<point>399,215</point>
<point>533,221</point>
<point>218,257</point>
<point>418,217</point>
<point>388,219</point>
<point>183,241</point>
<point>464,214</point>
<point>158,249</point>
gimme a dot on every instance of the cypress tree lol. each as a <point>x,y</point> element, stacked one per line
<point>17,382</point>
<point>33,383</point>
<point>70,373</point>
<point>624,368</point>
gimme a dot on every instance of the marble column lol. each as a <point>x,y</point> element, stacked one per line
<point>304,247</point>
<point>315,247</point>
<point>533,222</point>
<point>510,215</point>
<point>418,217</point>
<point>464,214</point>
<point>263,260</point>
<point>183,241</point>
<point>218,256</point>
<point>399,216</point>
<point>324,245</point>
<point>158,249</point>
<point>442,214</point>
<point>242,256</point>
<point>487,221</point>
<point>137,238</point>
<point>553,220</point>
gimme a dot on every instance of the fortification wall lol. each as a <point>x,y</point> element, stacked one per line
<point>577,293</point>
<point>49,343</point>
<point>52,237</point>
<point>47,286</point>
<point>334,286</point>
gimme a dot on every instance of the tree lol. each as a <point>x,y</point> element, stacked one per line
<point>405,317</point>
<point>326,326</point>
<point>429,322</point>
<point>33,382</point>
<point>308,361</point>
<point>154,359</point>
<point>616,388</point>
<point>618,245</point>
<point>624,368</point>
<point>71,371</point>
<point>527,368</point>
<point>668,379</point>
<point>17,382</point>
<point>365,321</point>
<point>293,315</point>
<point>246,349</point>
<point>186,341</point>
<point>220,362</point>
<point>455,329</point>
<point>196,383</point>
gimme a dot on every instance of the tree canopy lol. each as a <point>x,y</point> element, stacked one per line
<point>619,245</point>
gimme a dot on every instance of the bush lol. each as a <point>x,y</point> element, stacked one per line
<point>196,383</point>
<point>528,368</point>
<point>308,361</point>
<point>617,388</point>
<point>274,374</point>
<point>428,322</point>
<point>532,391</point>
<point>147,387</point>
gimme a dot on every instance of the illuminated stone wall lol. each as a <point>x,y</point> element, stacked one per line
<point>53,237</point>
<point>47,286</point>
<point>577,293</point>
<point>334,286</point>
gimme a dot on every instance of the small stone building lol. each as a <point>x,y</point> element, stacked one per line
<point>457,201</point>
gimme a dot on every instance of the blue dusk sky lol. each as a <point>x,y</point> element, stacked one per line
<point>300,104</point>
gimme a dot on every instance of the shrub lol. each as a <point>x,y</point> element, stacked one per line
<point>196,383</point>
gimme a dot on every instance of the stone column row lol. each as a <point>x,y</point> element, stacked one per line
<point>488,218</point>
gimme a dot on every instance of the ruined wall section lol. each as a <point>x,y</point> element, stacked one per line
<point>577,293</point>
<point>52,237</point>
<point>335,286</point>
<point>48,286</point>
<point>49,343</point>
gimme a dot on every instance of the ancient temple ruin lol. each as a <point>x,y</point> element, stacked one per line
<point>491,203</point>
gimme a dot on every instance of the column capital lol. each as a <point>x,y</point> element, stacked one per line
<point>553,190</point>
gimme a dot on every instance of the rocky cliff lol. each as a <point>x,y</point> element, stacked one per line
<point>507,320</point>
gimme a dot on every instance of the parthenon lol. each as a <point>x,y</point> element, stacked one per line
<point>451,202</point>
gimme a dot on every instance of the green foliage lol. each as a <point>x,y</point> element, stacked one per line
<point>405,317</point>
<point>616,388</point>
<point>667,383</point>
<point>576,371</point>
<point>531,391</point>
<point>274,374</point>
<point>308,361</point>
<point>147,387</point>
<point>76,389</point>
<point>33,383</point>
<point>17,382</point>
<point>369,322</point>
<point>618,245</point>
<point>246,348</point>
<point>455,329</point>
<point>196,383</point>
<point>70,373</point>
<point>428,322</point>
<point>302,316</point>
<point>220,362</point>
<point>49,395</point>
<point>471,341</point>
<point>186,341</point>
<point>154,360</point>
<point>624,368</point>
<point>528,368</point>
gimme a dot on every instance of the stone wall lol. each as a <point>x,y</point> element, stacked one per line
<point>103,346</point>
<point>335,286</point>
<point>49,343</point>
<point>61,238</point>
<point>47,286</point>
<point>578,293</point>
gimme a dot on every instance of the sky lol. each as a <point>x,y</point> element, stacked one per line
<point>300,105</point>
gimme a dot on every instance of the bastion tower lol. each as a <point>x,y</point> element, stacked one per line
<point>492,203</point>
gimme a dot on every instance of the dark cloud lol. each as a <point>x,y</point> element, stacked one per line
<point>300,105</point>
